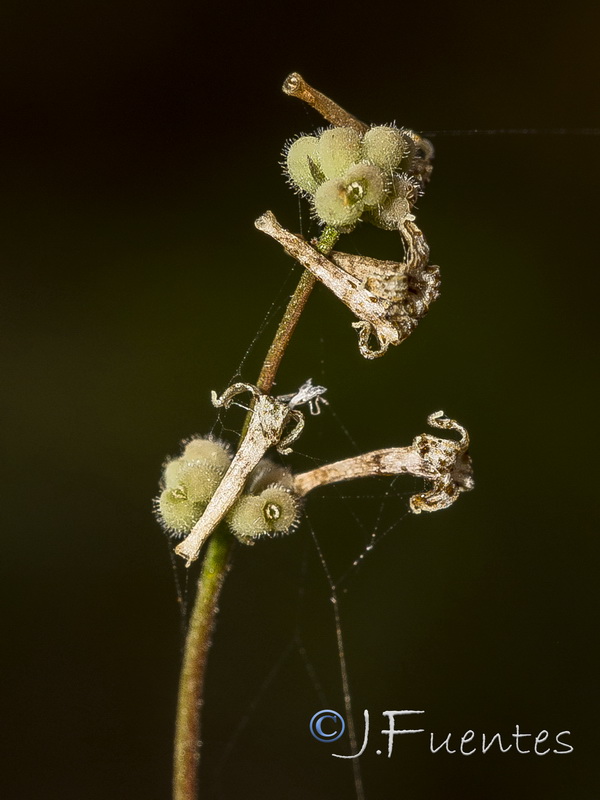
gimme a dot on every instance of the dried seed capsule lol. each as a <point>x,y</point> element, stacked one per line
<point>338,149</point>
<point>384,146</point>
<point>211,451</point>
<point>274,511</point>
<point>176,512</point>
<point>302,163</point>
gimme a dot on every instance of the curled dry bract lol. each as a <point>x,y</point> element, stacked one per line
<point>388,297</point>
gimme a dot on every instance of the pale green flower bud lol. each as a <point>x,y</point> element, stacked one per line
<point>189,482</point>
<point>171,473</point>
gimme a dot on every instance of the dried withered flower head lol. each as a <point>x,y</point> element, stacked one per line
<point>445,463</point>
<point>388,297</point>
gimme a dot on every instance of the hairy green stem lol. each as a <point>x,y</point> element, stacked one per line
<point>214,569</point>
<point>193,669</point>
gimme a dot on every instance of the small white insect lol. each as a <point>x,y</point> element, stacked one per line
<point>307,394</point>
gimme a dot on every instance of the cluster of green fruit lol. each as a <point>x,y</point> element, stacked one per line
<point>267,507</point>
<point>347,175</point>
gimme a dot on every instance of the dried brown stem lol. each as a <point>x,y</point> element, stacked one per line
<point>296,86</point>
<point>292,314</point>
<point>286,329</point>
<point>392,461</point>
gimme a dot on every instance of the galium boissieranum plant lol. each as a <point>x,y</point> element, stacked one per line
<point>213,495</point>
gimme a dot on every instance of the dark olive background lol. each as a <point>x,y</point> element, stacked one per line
<point>138,144</point>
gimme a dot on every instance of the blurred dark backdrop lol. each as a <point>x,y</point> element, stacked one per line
<point>139,142</point>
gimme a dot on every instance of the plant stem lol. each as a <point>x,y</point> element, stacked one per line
<point>193,668</point>
<point>214,569</point>
<point>284,333</point>
<point>294,309</point>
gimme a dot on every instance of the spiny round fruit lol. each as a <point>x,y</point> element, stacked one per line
<point>302,163</point>
<point>199,480</point>
<point>171,472</point>
<point>212,451</point>
<point>338,203</point>
<point>338,149</point>
<point>372,180</point>
<point>176,512</point>
<point>384,146</point>
<point>274,511</point>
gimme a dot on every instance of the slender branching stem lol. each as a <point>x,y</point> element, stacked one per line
<point>214,568</point>
<point>285,331</point>
<point>294,309</point>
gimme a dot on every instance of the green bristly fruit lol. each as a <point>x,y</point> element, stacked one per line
<point>338,149</point>
<point>199,480</point>
<point>303,165</point>
<point>176,512</point>
<point>212,451</point>
<point>274,511</point>
<point>337,204</point>
<point>384,146</point>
